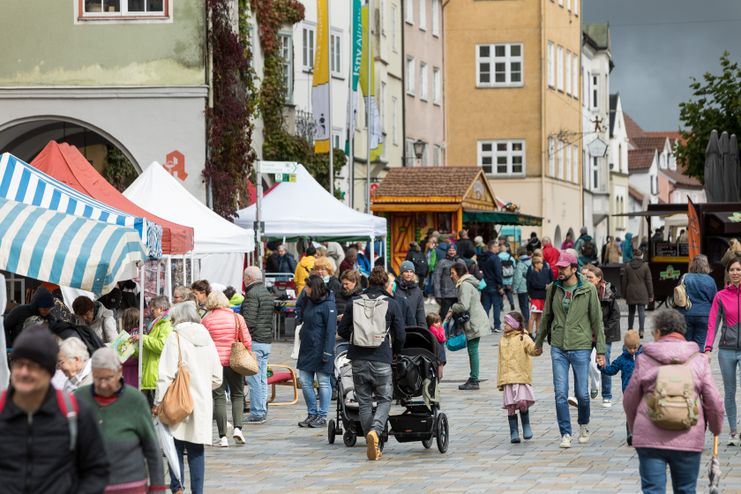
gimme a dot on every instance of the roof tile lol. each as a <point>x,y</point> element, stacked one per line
<point>446,181</point>
<point>640,159</point>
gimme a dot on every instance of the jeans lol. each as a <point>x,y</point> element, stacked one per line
<point>728,361</point>
<point>560,362</point>
<point>641,316</point>
<point>325,392</point>
<point>259,382</point>
<point>373,382</point>
<point>524,302</point>
<point>697,330</point>
<point>490,297</point>
<point>235,382</point>
<point>684,467</point>
<point>473,357</point>
<point>606,380</point>
<point>196,465</point>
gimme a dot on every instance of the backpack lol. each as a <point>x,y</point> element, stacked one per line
<point>508,268</point>
<point>587,249</point>
<point>680,295</point>
<point>369,321</point>
<point>67,404</point>
<point>420,264</point>
<point>673,404</point>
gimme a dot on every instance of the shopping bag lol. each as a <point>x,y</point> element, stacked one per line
<point>167,443</point>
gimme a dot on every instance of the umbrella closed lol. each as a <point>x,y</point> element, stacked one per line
<point>714,470</point>
<point>713,180</point>
<point>733,152</point>
<point>728,171</point>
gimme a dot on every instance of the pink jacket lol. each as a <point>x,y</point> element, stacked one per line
<point>670,348</point>
<point>221,325</point>
<point>725,309</point>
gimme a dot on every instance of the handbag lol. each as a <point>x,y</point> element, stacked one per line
<point>242,361</point>
<point>456,336</point>
<point>177,404</point>
<point>680,295</point>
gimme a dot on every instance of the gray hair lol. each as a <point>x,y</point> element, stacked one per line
<point>546,241</point>
<point>669,321</point>
<point>73,347</point>
<point>700,264</point>
<point>184,312</point>
<point>216,300</point>
<point>159,302</point>
<point>253,272</point>
<point>105,358</point>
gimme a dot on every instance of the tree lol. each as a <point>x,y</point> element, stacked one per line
<point>715,105</point>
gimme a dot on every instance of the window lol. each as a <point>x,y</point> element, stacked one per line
<point>567,71</point>
<point>409,12</point>
<point>505,158</point>
<point>568,163</point>
<point>436,17</point>
<point>382,107</point>
<point>409,156</point>
<point>575,164</point>
<point>595,173</point>
<point>393,28</point>
<point>559,68</point>
<point>654,185</point>
<point>551,157</point>
<point>560,145</point>
<point>394,117</point>
<point>595,92</point>
<point>286,52</point>
<point>422,15</point>
<point>307,47</point>
<point>576,7</point>
<point>423,81</point>
<point>437,152</point>
<point>125,8</point>
<point>335,45</point>
<point>410,76</point>
<point>575,77</point>
<point>337,138</point>
<point>437,86</point>
<point>551,66</point>
<point>499,65</point>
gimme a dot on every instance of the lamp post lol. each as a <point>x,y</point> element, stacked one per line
<point>419,149</point>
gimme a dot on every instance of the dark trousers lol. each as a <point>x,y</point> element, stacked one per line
<point>445,305</point>
<point>490,297</point>
<point>524,302</point>
<point>641,316</point>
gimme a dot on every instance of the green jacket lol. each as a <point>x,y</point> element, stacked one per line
<point>257,310</point>
<point>153,343</point>
<point>582,327</point>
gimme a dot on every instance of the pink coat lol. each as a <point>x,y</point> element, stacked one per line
<point>645,433</point>
<point>221,325</point>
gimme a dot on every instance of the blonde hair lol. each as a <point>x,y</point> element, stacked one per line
<point>632,339</point>
<point>324,263</point>
<point>216,300</point>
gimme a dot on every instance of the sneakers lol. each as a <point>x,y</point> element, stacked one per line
<point>237,435</point>
<point>733,440</point>
<point>305,422</point>
<point>583,434</point>
<point>496,330</point>
<point>223,442</point>
<point>573,401</point>
<point>371,441</point>
<point>470,385</point>
<point>565,441</point>
<point>317,423</point>
<point>606,403</point>
<point>253,420</point>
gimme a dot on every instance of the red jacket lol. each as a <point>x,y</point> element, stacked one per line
<point>550,253</point>
<point>221,325</point>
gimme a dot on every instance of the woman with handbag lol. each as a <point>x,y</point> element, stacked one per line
<point>469,302</point>
<point>189,370</point>
<point>700,290</point>
<point>316,353</point>
<point>227,327</point>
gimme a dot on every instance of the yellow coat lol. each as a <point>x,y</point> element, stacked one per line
<point>515,362</point>
<point>304,266</point>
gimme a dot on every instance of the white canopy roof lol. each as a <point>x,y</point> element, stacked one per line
<point>162,194</point>
<point>305,208</point>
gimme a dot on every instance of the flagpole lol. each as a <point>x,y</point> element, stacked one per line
<point>350,126</point>
<point>368,115</point>
<point>329,97</point>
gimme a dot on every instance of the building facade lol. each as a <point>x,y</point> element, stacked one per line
<point>512,97</point>
<point>620,198</point>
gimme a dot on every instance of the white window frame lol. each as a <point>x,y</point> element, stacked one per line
<point>594,173</point>
<point>575,164</point>
<point>559,161</point>
<point>507,59</point>
<point>567,73</point>
<point>509,154</point>
<point>394,117</point>
<point>559,68</point>
<point>423,15</point>
<point>411,72</point>
<point>409,12</point>
<point>123,12</point>
<point>551,65</point>
<point>437,86</point>
<point>437,154</point>
<point>335,53</point>
<point>576,7</point>
<point>551,157</point>
<point>337,136</point>
<point>394,10</point>
<point>286,46</point>
<point>308,46</point>
<point>575,76</point>
<point>568,163</point>
<point>594,93</point>
<point>423,81</point>
<point>410,159</point>
<point>436,18</point>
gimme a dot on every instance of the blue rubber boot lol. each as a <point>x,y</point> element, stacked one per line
<point>514,433</point>
<point>527,431</point>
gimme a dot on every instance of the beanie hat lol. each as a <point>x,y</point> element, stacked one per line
<point>407,266</point>
<point>43,299</point>
<point>38,345</point>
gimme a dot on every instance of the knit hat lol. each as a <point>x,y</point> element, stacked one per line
<point>407,266</point>
<point>38,345</point>
<point>43,299</point>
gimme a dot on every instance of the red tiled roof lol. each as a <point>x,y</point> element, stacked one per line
<point>640,159</point>
<point>446,181</point>
<point>635,194</point>
<point>681,180</point>
<point>672,136</point>
<point>632,128</point>
<point>656,143</point>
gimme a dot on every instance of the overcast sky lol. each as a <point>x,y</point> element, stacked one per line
<point>657,45</point>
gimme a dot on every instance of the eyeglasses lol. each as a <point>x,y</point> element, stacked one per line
<point>21,363</point>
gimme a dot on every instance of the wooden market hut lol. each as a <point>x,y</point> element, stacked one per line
<point>417,200</point>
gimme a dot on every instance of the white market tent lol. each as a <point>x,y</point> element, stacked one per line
<point>219,244</point>
<point>305,208</point>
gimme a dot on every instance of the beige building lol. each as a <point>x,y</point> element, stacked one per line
<point>512,95</point>
<point>424,120</point>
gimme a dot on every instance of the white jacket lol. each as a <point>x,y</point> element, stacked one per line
<point>202,360</point>
<point>104,324</point>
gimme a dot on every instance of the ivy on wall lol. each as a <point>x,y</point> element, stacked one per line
<point>118,170</point>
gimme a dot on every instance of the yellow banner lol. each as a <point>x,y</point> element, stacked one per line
<point>320,81</point>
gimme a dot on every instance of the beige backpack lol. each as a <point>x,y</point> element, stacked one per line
<point>680,296</point>
<point>673,404</point>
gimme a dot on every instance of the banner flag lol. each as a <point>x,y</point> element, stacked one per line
<point>320,81</point>
<point>356,57</point>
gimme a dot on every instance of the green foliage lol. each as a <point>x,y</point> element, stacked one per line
<point>715,105</point>
<point>118,171</point>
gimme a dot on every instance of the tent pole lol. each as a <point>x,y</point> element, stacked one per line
<point>168,279</point>
<point>159,284</point>
<point>141,320</point>
<point>372,252</point>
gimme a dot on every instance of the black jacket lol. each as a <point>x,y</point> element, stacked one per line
<point>257,310</point>
<point>14,320</point>
<point>465,248</point>
<point>610,314</point>
<point>281,264</point>
<point>414,298</point>
<point>537,281</point>
<point>318,335</point>
<point>394,340</point>
<point>491,266</point>
<point>343,299</point>
<point>35,456</point>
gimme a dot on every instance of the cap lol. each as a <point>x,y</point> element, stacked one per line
<point>566,259</point>
<point>38,345</point>
<point>407,266</point>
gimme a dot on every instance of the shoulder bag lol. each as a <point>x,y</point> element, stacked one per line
<point>241,360</point>
<point>177,404</point>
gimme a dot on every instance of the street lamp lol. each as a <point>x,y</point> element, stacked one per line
<point>419,149</point>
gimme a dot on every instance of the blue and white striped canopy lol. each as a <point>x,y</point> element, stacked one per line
<point>21,182</point>
<point>66,250</point>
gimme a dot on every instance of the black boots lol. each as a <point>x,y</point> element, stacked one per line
<point>514,433</point>
<point>527,431</point>
<point>471,384</point>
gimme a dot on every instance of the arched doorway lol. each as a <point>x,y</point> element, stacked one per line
<point>557,237</point>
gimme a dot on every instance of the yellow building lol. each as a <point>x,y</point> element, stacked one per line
<point>513,89</point>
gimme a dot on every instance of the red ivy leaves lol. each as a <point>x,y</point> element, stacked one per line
<point>271,16</point>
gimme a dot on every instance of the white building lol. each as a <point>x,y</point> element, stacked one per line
<point>618,165</point>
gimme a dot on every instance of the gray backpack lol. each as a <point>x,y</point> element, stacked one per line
<point>369,321</point>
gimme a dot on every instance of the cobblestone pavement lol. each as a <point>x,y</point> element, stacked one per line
<point>280,457</point>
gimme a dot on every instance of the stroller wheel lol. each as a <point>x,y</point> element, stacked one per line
<point>331,431</point>
<point>427,443</point>
<point>443,432</point>
<point>349,439</point>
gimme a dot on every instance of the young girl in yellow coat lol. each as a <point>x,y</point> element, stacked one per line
<point>515,374</point>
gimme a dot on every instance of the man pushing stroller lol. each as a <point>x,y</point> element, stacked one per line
<point>374,325</point>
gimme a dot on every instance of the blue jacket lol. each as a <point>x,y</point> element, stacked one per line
<point>491,266</point>
<point>519,283</point>
<point>318,334</point>
<point>701,290</point>
<point>624,364</point>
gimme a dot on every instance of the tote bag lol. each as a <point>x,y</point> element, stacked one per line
<point>177,404</point>
<point>241,360</point>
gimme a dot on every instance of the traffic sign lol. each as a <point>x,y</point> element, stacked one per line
<point>285,177</point>
<point>284,167</point>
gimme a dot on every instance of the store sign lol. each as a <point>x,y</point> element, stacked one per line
<point>175,165</point>
<point>670,273</point>
<point>597,148</point>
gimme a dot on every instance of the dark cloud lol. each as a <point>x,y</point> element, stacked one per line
<point>658,45</point>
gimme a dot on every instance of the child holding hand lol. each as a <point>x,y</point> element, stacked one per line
<point>435,324</point>
<point>625,363</point>
<point>515,374</point>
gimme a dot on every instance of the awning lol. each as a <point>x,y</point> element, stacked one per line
<point>66,250</point>
<point>723,222</point>
<point>502,218</point>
